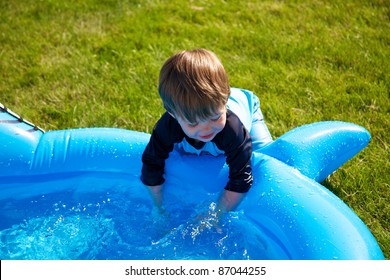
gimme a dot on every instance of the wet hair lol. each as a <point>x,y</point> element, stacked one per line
<point>194,85</point>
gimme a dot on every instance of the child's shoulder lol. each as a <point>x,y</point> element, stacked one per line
<point>234,134</point>
<point>166,120</point>
<point>233,122</point>
<point>167,127</point>
<point>234,129</point>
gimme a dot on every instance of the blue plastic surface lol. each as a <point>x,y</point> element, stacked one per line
<point>305,219</point>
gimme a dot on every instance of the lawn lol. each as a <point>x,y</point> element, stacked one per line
<point>71,64</point>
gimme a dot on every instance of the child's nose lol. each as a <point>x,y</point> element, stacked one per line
<point>206,127</point>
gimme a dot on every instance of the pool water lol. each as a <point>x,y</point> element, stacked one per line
<point>116,225</point>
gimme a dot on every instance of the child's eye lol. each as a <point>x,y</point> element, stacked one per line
<point>216,118</point>
<point>192,124</point>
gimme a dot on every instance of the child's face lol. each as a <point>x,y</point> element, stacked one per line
<point>204,130</point>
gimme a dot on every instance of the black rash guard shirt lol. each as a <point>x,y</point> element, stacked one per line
<point>234,140</point>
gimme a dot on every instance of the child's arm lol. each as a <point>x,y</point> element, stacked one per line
<point>165,133</point>
<point>156,194</point>
<point>236,142</point>
<point>229,201</point>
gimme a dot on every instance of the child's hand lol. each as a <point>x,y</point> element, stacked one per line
<point>161,219</point>
<point>159,211</point>
<point>208,219</point>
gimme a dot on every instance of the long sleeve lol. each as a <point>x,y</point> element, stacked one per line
<point>235,140</point>
<point>165,134</point>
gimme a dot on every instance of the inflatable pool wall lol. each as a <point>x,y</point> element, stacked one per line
<point>303,218</point>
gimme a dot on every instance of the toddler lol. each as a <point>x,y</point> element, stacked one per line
<point>204,115</point>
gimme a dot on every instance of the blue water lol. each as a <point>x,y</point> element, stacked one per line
<point>111,225</point>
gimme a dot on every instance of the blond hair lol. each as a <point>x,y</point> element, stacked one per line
<point>193,85</point>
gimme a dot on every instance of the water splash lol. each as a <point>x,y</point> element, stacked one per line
<point>111,226</point>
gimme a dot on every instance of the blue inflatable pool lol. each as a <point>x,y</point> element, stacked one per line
<point>301,217</point>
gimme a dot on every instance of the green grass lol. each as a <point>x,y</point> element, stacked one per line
<point>70,64</point>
